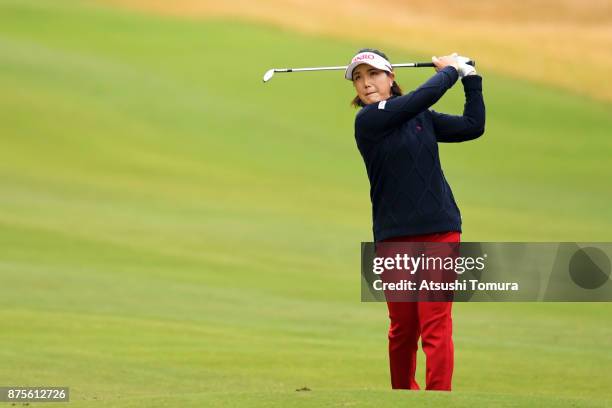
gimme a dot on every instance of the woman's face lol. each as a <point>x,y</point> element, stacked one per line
<point>372,84</point>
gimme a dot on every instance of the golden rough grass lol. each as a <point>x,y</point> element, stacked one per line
<point>564,43</point>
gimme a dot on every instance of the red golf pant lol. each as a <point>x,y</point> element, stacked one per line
<point>432,322</point>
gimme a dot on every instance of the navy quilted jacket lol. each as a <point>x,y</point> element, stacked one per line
<point>398,140</point>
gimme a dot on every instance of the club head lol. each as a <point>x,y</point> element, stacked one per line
<point>269,74</point>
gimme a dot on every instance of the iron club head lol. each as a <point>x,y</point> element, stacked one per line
<point>269,74</point>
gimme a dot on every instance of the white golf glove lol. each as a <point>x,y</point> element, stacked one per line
<point>464,68</point>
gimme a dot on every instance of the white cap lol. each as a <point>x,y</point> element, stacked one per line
<point>369,58</point>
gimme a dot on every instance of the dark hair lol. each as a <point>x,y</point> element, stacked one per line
<point>395,88</point>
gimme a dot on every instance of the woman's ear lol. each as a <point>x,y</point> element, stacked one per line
<point>391,76</point>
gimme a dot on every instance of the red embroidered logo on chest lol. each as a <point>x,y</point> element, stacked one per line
<point>418,128</point>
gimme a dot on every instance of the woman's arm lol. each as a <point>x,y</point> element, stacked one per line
<point>455,128</point>
<point>374,119</point>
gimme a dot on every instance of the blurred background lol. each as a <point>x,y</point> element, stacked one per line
<point>173,232</point>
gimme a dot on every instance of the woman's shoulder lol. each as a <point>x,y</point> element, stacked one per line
<point>360,116</point>
<point>362,113</point>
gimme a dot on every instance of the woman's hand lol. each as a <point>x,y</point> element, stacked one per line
<point>441,62</point>
<point>464,68</point>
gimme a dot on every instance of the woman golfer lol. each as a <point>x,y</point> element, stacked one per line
<point>397,136</point>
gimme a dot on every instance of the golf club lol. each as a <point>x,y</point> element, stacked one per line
<point>270,73</point>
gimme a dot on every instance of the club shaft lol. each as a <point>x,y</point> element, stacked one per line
<point>343,67</point>
<point>308,69</point>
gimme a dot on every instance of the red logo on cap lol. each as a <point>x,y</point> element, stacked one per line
<point>362,57</point>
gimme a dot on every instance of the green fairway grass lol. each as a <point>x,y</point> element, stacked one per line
<point>174,233</point>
